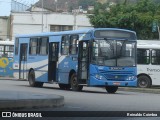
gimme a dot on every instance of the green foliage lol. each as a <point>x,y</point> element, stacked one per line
<point>138,17</point>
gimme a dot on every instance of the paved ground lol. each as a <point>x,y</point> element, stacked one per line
<point>16,99</point>
<point>13,90</point>
<point>153,89</point>
<point>19,99</point>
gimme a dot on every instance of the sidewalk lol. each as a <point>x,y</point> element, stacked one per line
<point>7,78</point>
<point>154,89</point>
<point>16,100</point>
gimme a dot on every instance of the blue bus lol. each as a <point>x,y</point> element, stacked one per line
<point>101,57</point>
<point>6,58</point>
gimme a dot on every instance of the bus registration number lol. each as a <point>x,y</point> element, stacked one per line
<point>116,83</point>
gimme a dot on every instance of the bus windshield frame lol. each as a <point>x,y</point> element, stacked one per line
<point>117,34</point>
<point>114,52</point>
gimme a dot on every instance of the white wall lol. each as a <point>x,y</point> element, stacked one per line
<point>4,28</point>
<point>31,22</point>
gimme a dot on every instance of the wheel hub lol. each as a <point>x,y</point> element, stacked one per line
<point>74,82</point>
<point>143,83</point>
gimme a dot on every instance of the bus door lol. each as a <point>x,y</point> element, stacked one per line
<point>83,62</point>
<point>23,61</point>
<point>53,59</point>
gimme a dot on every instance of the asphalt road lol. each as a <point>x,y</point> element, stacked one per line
<point>91,99</point>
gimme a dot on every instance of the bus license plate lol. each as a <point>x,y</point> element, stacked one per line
<point>116,83</point>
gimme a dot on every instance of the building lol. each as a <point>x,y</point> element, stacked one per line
<point>4,28</point>
<point>47,16</point>
<point>36,22</point>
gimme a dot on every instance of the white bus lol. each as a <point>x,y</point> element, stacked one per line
<point>6,58</point>
<point>148,63</point>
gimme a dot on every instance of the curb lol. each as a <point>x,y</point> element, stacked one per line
<point>142,90</point>
<point>30,100</point>
<point>7,78</point>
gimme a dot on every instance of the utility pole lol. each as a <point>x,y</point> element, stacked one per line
<point>75,19</point>
<point>42,14</point>
<point>56,4</point>
<point>158,31</point>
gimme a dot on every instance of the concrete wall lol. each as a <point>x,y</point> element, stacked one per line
<point>4,28</point>
<point>31,22</point>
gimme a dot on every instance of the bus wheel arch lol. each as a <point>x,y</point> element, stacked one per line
<point>66,86</point>
<point>31,79</point>
<point>74,82</point>
<point>144,81</point>
<point>70,75</point>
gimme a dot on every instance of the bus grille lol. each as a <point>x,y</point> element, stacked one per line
<point>116,75</point>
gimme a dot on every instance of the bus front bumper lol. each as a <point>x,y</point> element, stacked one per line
<point>96,82</point>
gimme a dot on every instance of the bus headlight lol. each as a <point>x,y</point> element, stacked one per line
<point>100,77</point>
<point>131,77</point>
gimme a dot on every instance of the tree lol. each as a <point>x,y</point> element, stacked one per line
<point>138,17</point>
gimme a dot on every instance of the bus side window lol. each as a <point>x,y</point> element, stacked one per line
<point>156,57</point>
<point>1,51</point>
<point>74,44</point>
<point>9,50</point>
<point>84,55</point>
<point>143,56</point>
<point>43,46</point>
<point>33,46</point>
<point>65,45</point>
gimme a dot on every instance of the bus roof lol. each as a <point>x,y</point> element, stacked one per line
<point>6,42</point>
<point>82,31</point>
<point>148,44</point>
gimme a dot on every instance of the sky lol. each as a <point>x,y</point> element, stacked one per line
<point>5,5</point>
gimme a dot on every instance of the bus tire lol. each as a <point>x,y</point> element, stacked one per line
<point>32,82</point>
<point>144,82</point>
<point>111,89</point>
<point>74,83</point>
<point>39,84</point>
<point>64,86</point>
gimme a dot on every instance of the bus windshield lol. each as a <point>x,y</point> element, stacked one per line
<point>114,52</point>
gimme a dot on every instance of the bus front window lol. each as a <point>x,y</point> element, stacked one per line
<point>114,52</point>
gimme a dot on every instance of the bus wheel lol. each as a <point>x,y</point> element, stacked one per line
<point>74,83</point>
<point>144,82</point>
<point>39,84</point>
<point>64,86</point>
<point>111,89</point>
<point>31,79</point>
